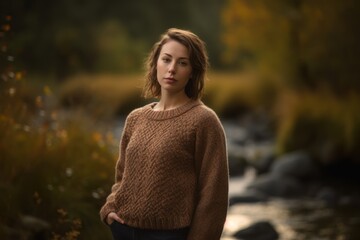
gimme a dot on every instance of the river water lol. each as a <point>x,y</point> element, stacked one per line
<point>295,219</point>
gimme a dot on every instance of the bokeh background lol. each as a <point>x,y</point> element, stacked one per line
<point>284,79</point>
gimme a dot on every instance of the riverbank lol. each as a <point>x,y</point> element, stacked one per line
<point>286,197</point>
<point>293,219</point>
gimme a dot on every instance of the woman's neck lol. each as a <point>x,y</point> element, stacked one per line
<point>168,102</point>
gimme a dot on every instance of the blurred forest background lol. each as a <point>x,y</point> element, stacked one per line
<point>70,69</point>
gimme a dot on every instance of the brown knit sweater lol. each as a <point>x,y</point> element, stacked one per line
<point>172,171</point>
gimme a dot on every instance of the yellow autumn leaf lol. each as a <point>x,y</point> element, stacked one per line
<point>47,91</point>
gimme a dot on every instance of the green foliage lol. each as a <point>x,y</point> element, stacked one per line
<point>117,51</point>
<point>67,37</point>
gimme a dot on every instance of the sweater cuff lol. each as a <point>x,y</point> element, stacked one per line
<point>105,210</point>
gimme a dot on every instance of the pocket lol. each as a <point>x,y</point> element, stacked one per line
<point>120,231</point>
<point>112,224</point>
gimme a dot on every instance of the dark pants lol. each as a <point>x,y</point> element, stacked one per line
<point>124,232</point>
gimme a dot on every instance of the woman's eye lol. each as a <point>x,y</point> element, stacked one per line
<point>183,63</point>
<point>166,60</point>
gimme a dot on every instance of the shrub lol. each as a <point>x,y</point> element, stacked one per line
<point>56,170</point>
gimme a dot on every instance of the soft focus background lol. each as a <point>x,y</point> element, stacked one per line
<point>284,80</point>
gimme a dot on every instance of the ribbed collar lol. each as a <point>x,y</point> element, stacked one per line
<point>166,114</point>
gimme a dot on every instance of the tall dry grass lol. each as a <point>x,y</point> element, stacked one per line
<point>110,95</point>
<point>326,125</point>
<point>102,96</point>
<point>318,121</point>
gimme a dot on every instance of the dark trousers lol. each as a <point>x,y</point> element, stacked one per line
<point>125,232</point>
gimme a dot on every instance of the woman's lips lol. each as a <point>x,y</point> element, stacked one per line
<point>170,80</point>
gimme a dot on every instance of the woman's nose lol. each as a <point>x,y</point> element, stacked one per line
<point>171,68</point>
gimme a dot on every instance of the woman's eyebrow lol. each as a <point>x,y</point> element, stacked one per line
<point>169,55</point>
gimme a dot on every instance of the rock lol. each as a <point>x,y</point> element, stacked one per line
<point>263,164</point>
<point>38,228</point>
<point>296,164</point>
<point>28,227</point>
<point>34,224</point>
<point>235,133</point>
<point>277,186</point>
<point>328,196</point>
<point>10,233</point>
<point>249,196</point>
<point>237,165</point>
<point>349,201</point>
<point>262,230</point>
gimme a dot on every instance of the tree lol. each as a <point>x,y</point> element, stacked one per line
<point>308,43</point>
<point>65,37</point>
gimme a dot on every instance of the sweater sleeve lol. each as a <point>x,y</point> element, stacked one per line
<point>110,205</point>
<point>213,178</point>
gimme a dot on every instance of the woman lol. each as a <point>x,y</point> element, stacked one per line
<point>171,179</point>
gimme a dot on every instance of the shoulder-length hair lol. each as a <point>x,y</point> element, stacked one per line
<point>198,59</point>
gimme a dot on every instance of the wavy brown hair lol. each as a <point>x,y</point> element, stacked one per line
<point>198,59</point>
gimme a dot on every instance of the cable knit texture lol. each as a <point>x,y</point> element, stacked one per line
<point>172,171</point>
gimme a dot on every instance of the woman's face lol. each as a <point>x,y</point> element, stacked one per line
<point>173,67</point>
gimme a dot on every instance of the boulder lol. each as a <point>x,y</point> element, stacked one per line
<point>277,186</point>
<point>296,164</point>
<point>328,196</point>
<point>237,165</point>
<point>248,196</point>
<point>262,230</point>
<point>38,228</point>
<point>264,163</point>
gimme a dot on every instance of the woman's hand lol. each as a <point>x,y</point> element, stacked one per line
<point>111,217</point>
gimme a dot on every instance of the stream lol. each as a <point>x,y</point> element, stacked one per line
<point>293,219</point>
<point>299,218</point>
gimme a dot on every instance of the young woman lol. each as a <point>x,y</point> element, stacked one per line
<point>171,179</point>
